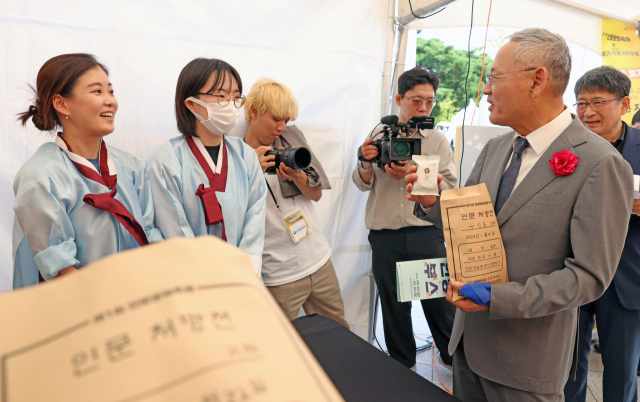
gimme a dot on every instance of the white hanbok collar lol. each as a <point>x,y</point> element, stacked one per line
<point>84,162</point>
<point>215,167</point>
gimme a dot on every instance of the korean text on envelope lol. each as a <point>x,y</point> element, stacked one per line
<point>156,324</point>
<point>474,245</point>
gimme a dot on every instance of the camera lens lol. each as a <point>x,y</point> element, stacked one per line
<point>301,158</point>
<point>402,149</point>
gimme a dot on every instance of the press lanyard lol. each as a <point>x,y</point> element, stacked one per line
<point>274,197</point>
<point>293,220</point>
<point>269,187</point>
<point>271,192</point>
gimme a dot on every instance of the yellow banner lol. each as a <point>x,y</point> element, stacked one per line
<point>621,49</point>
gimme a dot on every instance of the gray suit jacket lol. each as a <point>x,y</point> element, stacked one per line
<point>563,238</point>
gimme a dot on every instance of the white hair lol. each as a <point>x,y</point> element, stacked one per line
<point>538,47</point>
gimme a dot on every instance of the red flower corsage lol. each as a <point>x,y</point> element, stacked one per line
<point>563,163</point>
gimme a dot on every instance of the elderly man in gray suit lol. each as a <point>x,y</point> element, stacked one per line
<point>562,197</point>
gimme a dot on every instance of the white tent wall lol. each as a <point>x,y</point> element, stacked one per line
<point>330,53</point>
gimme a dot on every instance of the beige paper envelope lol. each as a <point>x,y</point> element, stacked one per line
<point>182,320</point>
<point>475,250</point>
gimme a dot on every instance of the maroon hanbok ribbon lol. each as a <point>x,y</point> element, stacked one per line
<point>106,201</point>
<point>217,182</point>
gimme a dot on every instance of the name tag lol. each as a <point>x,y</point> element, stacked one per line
<point>296,225</point>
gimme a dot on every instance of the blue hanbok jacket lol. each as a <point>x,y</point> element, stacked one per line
<point>175,175</point>
<point>55,229</point>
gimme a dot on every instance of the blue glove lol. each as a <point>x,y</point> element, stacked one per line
<point>479,293</point>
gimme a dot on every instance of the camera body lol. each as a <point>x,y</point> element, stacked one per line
<point>394,148</point>
<point>296,158</point>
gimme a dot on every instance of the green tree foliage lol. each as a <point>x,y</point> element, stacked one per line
<point>498,39</point>
<point>451,65</point>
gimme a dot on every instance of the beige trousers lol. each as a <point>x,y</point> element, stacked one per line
<point>316,293</point>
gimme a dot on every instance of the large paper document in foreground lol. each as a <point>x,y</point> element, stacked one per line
<point>422,279</point>
<point>474,245</point>
<point>184,320</point>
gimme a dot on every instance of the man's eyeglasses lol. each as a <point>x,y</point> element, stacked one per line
<point>491,76</point>
<point>223,100</point>
<point>417,101</point>
<point>595,105</point>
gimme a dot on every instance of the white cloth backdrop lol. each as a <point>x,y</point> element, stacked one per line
<point>330,53</point>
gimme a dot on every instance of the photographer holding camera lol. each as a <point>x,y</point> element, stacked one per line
<point>296,263</point>
<point>395,233</point>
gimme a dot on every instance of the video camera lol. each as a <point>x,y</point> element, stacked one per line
<point>296,158</point>
<point>393,148</point>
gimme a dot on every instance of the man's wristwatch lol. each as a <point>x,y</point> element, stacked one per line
<point>362,169</point>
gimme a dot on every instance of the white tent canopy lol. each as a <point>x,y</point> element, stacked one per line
<point>577,21</point>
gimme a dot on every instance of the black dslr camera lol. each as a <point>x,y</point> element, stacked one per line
<point>393,148</point>
<point>296,158</point>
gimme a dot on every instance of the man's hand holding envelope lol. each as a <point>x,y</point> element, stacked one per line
<point>477,296</point>
<point>470,303</point>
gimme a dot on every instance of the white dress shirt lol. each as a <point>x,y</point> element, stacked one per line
<point>539,141</point>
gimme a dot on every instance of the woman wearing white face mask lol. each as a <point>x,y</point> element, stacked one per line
<point>205,182</point>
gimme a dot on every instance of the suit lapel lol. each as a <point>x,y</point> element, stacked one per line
<point>541,174</point>
<point>631,149</point>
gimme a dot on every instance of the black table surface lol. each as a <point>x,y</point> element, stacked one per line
<point>360,371</point>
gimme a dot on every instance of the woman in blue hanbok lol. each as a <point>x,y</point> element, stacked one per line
<point>77,199</point>
<point>204,182</point>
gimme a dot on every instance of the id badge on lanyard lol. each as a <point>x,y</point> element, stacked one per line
<point>293,220</point>
<point>296,224</point>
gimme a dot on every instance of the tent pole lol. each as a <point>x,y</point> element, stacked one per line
<point>373,291</point>
<point>384,109</point>
<point>594,11</point>
<point>421,12</point>
<point>401,54</point>
<point>399,65</point>
<point>388,61</point>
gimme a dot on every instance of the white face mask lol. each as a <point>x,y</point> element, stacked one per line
<point>220,119</point>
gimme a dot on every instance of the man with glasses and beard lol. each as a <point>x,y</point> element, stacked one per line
<point>395,234</point>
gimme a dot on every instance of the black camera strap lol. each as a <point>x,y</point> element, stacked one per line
<point>274,197</point>
<point>271,192</point>
<point>268,186</point>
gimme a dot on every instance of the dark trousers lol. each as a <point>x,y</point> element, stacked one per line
<point>619,336</point>
<point>409,244</point>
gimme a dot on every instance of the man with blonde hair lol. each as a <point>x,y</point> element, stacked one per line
<point>296,263</point>
<point>562,197</point>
